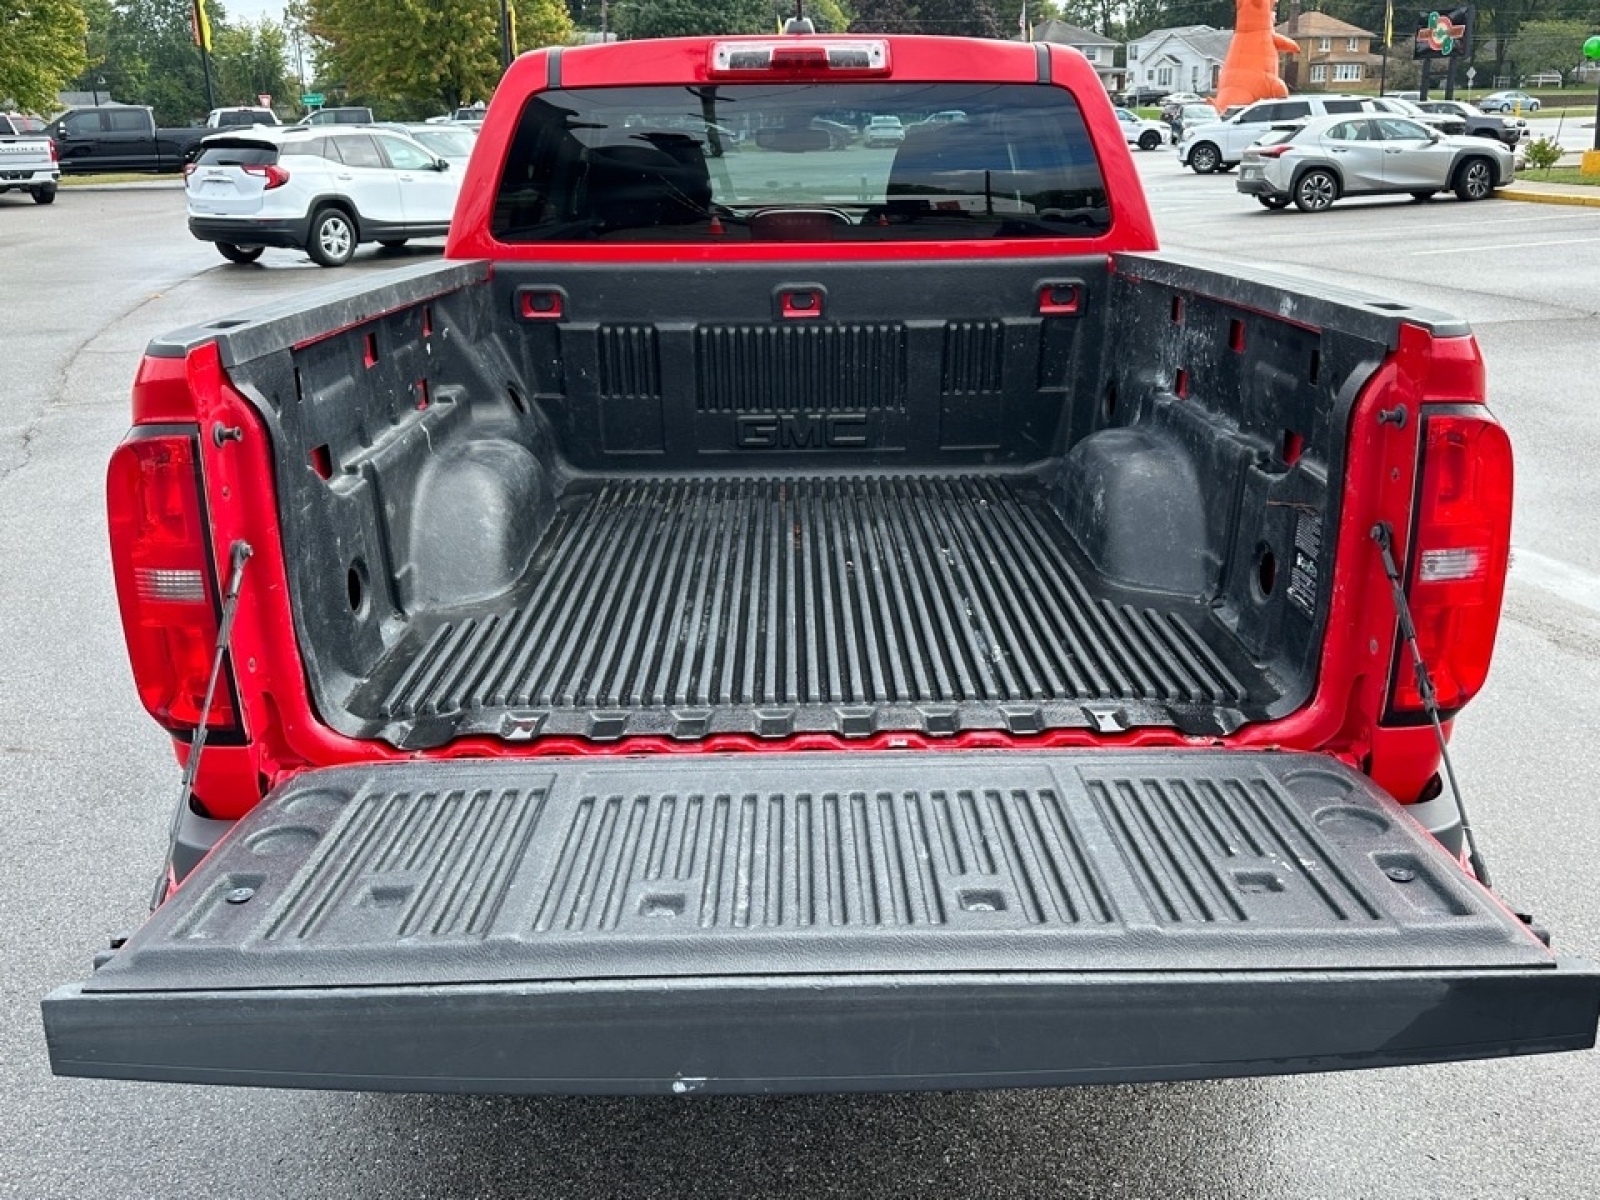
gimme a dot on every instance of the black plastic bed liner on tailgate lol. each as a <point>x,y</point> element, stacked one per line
<point>815,922</point>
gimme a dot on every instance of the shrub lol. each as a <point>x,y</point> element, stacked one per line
<point>1543,154</point>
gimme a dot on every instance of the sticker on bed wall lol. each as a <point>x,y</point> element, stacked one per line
<point>1307,550</point>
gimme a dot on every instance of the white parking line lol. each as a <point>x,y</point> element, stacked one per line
<point>1478,246</point>
<point>1573,584</point>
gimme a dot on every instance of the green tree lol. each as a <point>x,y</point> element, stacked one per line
<point>688,18</point>
<point>152,44</point>
<point>829,16</point>
<point>541,23</point>
<point>885,16</point>
<point>965,18</point>
<point>41,49</point>
<point>413,57</point>
<point>1550,46</point>
<point>250,60</point>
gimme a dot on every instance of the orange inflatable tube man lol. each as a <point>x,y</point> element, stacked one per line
<point>1250,72</point>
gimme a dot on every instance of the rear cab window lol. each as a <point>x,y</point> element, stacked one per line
<point>788,162</point>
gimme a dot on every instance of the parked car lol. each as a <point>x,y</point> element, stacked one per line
<point>1191,115</point>
<point>883,131</point>
<point>1145,134</point>
<point>1325,158</point>
<point>27,162</point>
<point>118,137</point>
<point>351,115</point>
<point>1449,123</point>
<point>1174,101</point>
<point>1509,102</point>
<point>1510,130</point>
<point>323,191</point>
<point>228,118</point>
<point>1139,97</point>
<point>1220,146</point>
<point>452,142</point>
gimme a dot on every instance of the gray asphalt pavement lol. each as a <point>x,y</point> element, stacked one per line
<point>87,783</point>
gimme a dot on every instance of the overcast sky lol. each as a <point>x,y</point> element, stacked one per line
<point>251,9</point>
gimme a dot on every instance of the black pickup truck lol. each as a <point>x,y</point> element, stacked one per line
<point>118,138</point>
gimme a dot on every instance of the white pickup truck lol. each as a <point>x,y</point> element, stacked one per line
<point>27,161</point>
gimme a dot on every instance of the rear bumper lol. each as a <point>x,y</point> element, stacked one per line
<point>897,1032</point>
<point>1260,186</point>
<point>22,178</point>
<point>288,234</point>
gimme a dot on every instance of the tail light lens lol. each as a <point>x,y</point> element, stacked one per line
<point>162,564</point>
<point>55,155</point>
<point>830,57</point>
<point>275,175</point>
<point>1271,151</point>
<point>1459,554</point>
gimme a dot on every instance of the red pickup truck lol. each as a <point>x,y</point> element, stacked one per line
<point>769,613</point>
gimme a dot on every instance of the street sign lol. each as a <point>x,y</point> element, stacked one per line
<point>312,99</point>
<point>1472,73</point>
<point>264,100</point>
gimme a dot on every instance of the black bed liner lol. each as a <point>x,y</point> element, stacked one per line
<point>850,605</point>
<point>795,921</point>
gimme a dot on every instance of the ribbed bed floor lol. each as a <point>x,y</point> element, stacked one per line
<point>774,606</point>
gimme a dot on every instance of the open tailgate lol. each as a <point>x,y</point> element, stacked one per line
<point>815,922</point>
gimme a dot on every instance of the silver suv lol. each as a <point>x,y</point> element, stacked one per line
<point>1220,145</point>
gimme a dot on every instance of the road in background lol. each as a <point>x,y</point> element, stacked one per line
<point>87,784</point>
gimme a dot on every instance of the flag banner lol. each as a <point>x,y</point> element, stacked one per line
<point>201,25</point>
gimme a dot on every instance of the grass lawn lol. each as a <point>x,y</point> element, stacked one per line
<point>124,177</point>
<point>1560,175</point>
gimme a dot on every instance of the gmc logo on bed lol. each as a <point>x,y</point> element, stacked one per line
<point>801,431</point>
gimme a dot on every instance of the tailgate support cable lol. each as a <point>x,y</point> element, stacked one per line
<point>1384,536</point>
<point>239,554</point>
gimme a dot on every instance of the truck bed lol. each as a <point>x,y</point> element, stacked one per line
<point>690,606</point>
<point>571,501</point>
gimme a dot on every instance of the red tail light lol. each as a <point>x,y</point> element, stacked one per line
<point>55,155</point>
<point>1271,151</point>
<point>162,564</point>
<point>275,175</point>
<point>1459,554</point>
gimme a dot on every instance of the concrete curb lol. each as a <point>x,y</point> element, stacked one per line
<point>1571,198</point>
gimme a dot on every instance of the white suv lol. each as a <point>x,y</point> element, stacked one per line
<point>323,191</point>
<point>1220,145</point>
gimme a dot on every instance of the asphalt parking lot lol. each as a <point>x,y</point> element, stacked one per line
<point>87,783</point>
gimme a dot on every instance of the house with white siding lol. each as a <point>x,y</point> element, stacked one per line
<point>1187,58</point>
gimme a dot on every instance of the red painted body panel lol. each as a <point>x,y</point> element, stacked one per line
<point>1342,718</point>
<point>684,60</point>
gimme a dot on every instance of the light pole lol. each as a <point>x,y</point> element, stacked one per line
<point>1591,52</point>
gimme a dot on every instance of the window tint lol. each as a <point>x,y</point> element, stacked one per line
<point>128,121</point>
<point>1256,114</point>
<point>236,154</point>
<point>1395,130</point>
<point>403,155</point>
<point>1337,107</point>
<point>1349,131</point>
<point>81,123</point>
<point>1292,110</point>
<point>760,162</point>
<point>359,150</point>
